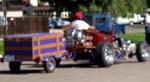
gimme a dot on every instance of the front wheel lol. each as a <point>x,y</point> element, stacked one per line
<point>142,51</point>
<point>49,65</point>
<point>104,54</point>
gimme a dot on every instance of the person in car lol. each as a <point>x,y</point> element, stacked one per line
<point>79,23</point>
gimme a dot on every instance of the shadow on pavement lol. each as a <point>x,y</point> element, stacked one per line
<point>22,72</point>
<point>39,67</point>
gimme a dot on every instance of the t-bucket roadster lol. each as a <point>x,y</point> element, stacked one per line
<point>100,45</point>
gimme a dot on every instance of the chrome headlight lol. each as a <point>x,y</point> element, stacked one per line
<point>124,45</point>
<point>73,33</point>
<point>79,35</point>
<point>128,42</point>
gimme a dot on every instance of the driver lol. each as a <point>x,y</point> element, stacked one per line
<point>80,24</point>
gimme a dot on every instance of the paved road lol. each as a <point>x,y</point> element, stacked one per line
<point>127,71</point>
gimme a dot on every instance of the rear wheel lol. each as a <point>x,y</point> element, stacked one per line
<point>104,54</point>
<point>142,51</point>
<point>14,67</point>
<point>49,65</point>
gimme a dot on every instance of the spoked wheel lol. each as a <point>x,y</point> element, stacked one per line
<point>14,67</point>
<point>142,51</point>
<point>104,54</point>
<point>49,65</point>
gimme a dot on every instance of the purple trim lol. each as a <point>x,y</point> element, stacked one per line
<point>35,43</point>
<point>47,41</point>
<point>53,49</point>
<point>60,39</point>
<point>46,50</point>
<point>35,52</point>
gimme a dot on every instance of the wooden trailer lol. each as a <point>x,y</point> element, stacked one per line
<point>47,48</point>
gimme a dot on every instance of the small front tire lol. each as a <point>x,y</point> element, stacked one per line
<point>142,51</point>
<point>49,65</point>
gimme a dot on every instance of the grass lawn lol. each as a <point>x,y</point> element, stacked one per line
<point>1,47</point>
<point>135,37</point>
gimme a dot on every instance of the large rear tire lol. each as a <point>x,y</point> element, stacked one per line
<point>14,67</point>
<point>104,54</point>
<point>142,51</point>
<point>49,65</point>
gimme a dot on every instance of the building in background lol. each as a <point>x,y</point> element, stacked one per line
<point>15,8</point>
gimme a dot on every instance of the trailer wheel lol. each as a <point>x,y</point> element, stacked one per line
<point>49,65</point>
<point>104,54</point>
<point>142,51</point>
<point>14,67</point>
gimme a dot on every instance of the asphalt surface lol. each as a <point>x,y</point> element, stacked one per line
<point>126,71</point>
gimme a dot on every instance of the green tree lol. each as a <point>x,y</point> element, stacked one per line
<point>117,7</point>
<point>123,7</point>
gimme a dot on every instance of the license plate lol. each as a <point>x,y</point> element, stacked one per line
<point>9,58</point>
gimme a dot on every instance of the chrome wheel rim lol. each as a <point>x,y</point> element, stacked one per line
<point>51,66</point>
<point>145,51</point>
<point>108,53</point>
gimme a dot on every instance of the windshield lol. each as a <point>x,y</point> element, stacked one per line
<point>100,21</point>
<point>88,19</point>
